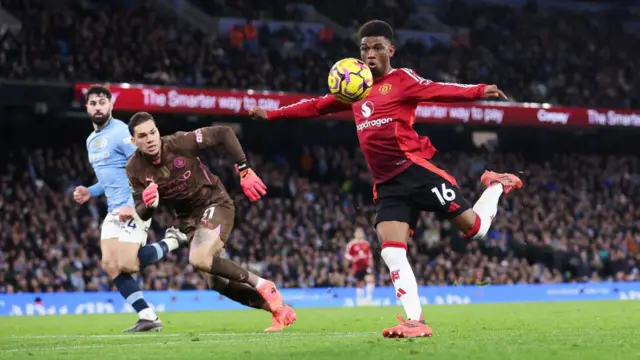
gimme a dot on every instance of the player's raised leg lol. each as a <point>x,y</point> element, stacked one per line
<point>152,253</point>
<point>475,223</point>
<point>207,243</point>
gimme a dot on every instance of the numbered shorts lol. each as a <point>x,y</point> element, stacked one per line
<point>421,187</point>
<point>214,217</point>
<point>132,231</point>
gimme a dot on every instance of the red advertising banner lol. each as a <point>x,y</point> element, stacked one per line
<point>161,99</point>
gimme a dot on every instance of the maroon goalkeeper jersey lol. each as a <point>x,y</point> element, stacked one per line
<point>384,120</point>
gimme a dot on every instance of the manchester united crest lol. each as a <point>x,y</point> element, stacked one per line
<point>384,89</point>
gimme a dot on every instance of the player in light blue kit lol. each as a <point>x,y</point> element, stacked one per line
<point>124,234</point>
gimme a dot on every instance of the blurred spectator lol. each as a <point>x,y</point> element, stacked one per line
<point>533,56</point>
<point>326,35</point>
<point>251,38</point>
<point>574,221</point>
<point>236,35</point>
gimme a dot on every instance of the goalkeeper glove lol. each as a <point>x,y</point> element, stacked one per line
<point>251,184</point>
<point>150,195</point>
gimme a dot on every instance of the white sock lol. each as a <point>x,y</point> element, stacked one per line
<point>486,208</point>
<point>360,293</point>
<point>487,205</point>
<point>148,314</point>
<point>403,279</point>
<point>172,243</point>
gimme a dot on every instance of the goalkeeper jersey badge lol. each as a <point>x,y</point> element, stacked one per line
<point>179,162</point>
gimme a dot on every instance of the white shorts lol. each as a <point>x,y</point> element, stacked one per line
<point>132,231</point>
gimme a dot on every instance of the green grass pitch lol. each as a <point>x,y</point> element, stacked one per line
<point>585,330</point>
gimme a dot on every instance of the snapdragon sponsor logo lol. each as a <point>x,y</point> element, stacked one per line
<point>367,109</point>
<point>374,123</point>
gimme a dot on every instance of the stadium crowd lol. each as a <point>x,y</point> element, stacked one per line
<point>574,221</point>
<point>576,59</point>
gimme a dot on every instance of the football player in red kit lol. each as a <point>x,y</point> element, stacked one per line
<point>406,181</point>
<point>359,253</point>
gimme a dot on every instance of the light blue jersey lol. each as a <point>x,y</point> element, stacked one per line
<point>109,150</point>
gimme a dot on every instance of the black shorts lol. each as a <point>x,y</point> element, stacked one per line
<point>361,274</point>
<point>420,187</point>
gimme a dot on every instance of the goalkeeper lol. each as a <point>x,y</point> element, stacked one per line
<point>169,168</point>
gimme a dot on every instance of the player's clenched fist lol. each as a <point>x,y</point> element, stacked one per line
<point>81,194</point>
<point>259,113</point>
<point>251,184</point>
<point>150,195</point>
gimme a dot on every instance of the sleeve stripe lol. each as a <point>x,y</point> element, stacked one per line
<point>424,81</point>
<point>302,101</point>
<point>415,77</point>
<point>458,85</point>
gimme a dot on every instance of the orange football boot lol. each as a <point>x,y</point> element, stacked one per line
<point>408,329</point>
<point>281,319</point>
<point>508,181</point>
<point>271,295</point>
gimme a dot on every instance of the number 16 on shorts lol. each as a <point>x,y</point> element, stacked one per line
<point>443,193</point>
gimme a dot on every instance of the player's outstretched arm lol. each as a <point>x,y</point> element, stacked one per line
<point>224,137</point>
<point>303,109</point>
<point>220,137</point>
<point>421,89</point>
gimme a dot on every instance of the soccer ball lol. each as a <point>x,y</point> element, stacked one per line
<point>350,80</point>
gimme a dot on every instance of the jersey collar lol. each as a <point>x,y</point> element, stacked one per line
<point>384,77</point>
<point>109,123</point>
<point>162,154</point>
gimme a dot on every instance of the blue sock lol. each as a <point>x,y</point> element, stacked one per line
<point>151,254</point>
<point>130,291</point>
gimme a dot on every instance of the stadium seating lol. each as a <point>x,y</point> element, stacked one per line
<point>534,56</point>
<point>575,220</point>
<point>344,13</point>
<point>571,223</point>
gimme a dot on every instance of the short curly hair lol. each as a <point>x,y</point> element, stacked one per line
<point>376,28</point>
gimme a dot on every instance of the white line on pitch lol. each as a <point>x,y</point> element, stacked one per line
<point>186,340</point>
<point>190,335</point>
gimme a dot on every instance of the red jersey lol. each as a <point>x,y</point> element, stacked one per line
<point>359,253</point>
<point>384,120</point>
